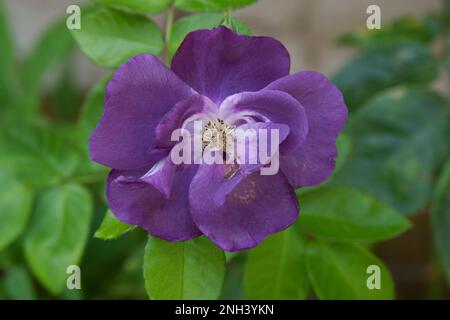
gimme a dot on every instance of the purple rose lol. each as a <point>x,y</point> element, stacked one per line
<point>215,72</point>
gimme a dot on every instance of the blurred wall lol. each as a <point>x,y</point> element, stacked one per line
<point>308,28</point>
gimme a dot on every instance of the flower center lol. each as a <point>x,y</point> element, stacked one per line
<point>217,134</point>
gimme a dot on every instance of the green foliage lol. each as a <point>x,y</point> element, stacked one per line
<point>403,29</point>
<point>7,61</point>
<point>127,281</point>
<point>91,111</point>
<point>190,270</point>
<point>276,268</point>
<point>112,269</point>
<point>440,218</point>
<point>383,67</point>
<point>400,135</point>
<point>343,144</point>
<point>112,228</point>
<point>211,5</point>
<point>447,58</point>
<point>15,206</point>
<point>58,233</point>
<point>39,156</point>
<point>397,144</point>
<point>139,6</point>
<point>200,21</point>
<point>50,50</point>
<point>65,97</point>
<point>447,10</point>
<point>339,271</point>
<point>111,37</point>
<point>348,214</point>
<point>18,284</point>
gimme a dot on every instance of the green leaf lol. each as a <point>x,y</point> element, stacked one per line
<point>234,277</point>
<point>199,21</point>
<point>19,285</point>
<point>398,141</point>
<point>90,114</point>
<point>50,50</point>
<point>189,270</point>
<point>139,6</point>
<point>348,214</point>
<point>92,109</point>
<point>338,271</point>
<point>211,5</point>
<point>112,228</point>
<point>65,96</point>
<point>7,62</point>
<point>127,283</point>
<point>39,156</point>
<point>440,219</point>
<point>111,37</point>
<point>407,28</point>
<point>376,70</point>
<point>343,145</point>
<point>276,268</point>
<point>15,205</point>
<point>229,256</point>
<point>58,234</point>
<point>240,27</point>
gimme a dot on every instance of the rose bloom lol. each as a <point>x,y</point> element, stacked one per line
<point>226,80</point>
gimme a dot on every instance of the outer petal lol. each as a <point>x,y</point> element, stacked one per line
<point>219,62</point>
<point>238,214</point>
<point>140,93</point>
<point>314,161</point>
<point>135,201</point>
<point>269,106</point>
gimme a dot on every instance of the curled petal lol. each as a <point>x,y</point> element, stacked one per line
<point>269,106</point>
<point>260,147</point>
<point>185,110</point>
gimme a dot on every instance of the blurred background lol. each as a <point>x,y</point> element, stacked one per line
<point>308,28</point>
<point>314,33</point>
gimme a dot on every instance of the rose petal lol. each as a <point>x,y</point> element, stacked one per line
<point>136,201</point>
<point>269,106</point>
<point>239,213</point>
<point>140,93</point>
<point>314,161</point>
<point>218,63</point>
<point>258,153</point>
